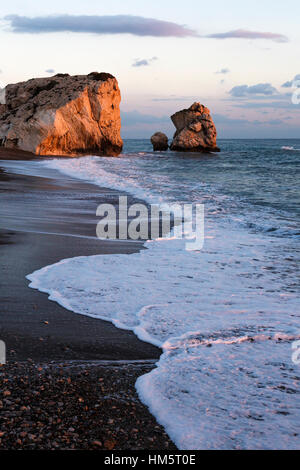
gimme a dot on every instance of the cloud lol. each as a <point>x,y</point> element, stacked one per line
<point>50,71</point>
<point>122,24</point>
<point>269,104</point>
<point>143,62</point>
<point>278,101</point>
<point>245,34</point>
<point>289,84</point>
<point>222,119</point>
<point>140,63</point>
<point>118,24</point>
<point>131,118</point>
<point>275,122</point>
<point>261,96</point>
<point>223,71</point>
<point>176,98</point>
<point>243,91</point>
<point>137,125</point>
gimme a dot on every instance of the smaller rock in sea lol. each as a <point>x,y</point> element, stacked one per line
<point>159,141</point>
<point>195,130</point>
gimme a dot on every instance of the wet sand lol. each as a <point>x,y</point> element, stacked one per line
<point>12,154</point>
<point>44,220</point>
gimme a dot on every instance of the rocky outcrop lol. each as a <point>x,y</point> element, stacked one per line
<point>195,130</point>
<point>160,141</point>
<point>63,115</point>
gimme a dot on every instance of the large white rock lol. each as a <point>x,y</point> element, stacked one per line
<point>63,115</point>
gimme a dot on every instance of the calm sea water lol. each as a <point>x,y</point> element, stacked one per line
<point>226,316</point>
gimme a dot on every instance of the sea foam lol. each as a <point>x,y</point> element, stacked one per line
<point>224,317</point>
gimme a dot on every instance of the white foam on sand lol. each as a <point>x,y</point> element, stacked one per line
<point>225,318</point>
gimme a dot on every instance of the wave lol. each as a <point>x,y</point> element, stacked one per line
<point>224,318</point>
<point>225,348</point>
<point>290,148</point>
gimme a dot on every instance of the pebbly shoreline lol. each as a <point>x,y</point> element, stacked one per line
<point>55,357</point>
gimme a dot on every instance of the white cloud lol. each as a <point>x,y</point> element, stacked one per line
<point>223,71</point>
<point>246,34</point>
<point>118,24</point>
<point>143,62</point>
<point>242,91</point>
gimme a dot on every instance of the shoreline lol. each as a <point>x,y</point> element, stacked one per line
<point>67,406</point>
<point>39,217</point>
<point>15,154</point>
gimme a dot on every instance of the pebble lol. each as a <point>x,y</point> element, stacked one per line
<point>49,406</point>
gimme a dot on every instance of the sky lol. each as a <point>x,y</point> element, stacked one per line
<point>239,59</point>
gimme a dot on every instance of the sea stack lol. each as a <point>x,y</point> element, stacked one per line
<point>63,115</point>
<point>195,130</point>
<point>160,141</point>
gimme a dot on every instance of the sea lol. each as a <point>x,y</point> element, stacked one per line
<point>227,316</point>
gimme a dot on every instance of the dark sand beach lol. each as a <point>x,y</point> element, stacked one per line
<point>56,390</point>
